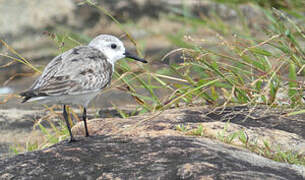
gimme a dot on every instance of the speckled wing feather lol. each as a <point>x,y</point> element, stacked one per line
<point>80,70</point>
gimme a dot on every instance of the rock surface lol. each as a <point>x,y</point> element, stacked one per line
<point>150,147</point>
<point>258,123</point>
<point>166,157</point>
<point>19,127</point>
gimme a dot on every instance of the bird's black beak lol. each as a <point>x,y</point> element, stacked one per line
<point>131,56</point>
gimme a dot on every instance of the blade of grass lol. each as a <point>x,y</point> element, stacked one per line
<point>192,90</point>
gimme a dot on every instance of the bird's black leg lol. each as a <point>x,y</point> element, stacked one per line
<point>85,122</point>
<point>68,124</point>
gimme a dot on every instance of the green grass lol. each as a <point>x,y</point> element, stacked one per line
<point>276,154</point>
<point>280,4</point>
<point>236,68</point>
<point>248,71</point>
<point>199,131</point>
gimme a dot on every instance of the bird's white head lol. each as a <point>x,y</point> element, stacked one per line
<point>113,48</point>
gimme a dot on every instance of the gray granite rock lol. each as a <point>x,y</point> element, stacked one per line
<point>166,157</point>
<point>150,147</point>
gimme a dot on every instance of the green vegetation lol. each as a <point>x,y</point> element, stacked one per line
<point>242,65</point>
<point>199,131</point>
<point>241,136</point>
<point>286,5</point>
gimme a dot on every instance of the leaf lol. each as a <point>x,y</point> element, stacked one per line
<point>292,92</point>
<point>260,51</point>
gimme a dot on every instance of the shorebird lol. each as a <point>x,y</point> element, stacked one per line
<point>76,76</point>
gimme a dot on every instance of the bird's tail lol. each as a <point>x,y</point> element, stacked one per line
<point>27,95</point>
<point>32,93</point>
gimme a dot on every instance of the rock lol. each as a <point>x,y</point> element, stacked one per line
<point>16,127</point>
<point>33,14</point>
<point>150,147</point>
<point>19,127</point>
<point>163,157</point>
<point>259,124</point>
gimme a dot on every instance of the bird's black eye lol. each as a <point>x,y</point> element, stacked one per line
<point>113,46</point>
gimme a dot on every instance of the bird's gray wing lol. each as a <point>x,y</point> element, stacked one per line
<point>80,70</point>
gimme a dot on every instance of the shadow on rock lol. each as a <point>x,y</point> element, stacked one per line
<point>168,157</point>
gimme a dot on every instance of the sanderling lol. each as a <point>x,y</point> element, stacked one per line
<point>78,75</point>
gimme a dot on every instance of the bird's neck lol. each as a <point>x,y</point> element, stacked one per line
<point>112,64</point>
